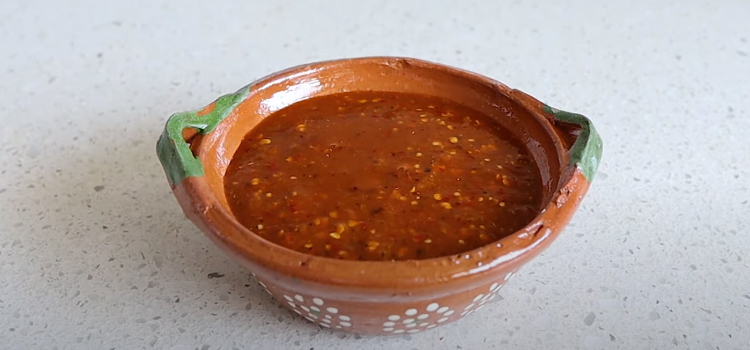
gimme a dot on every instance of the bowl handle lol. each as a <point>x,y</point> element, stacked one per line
<point>586,151</point>
<point>173,147</point>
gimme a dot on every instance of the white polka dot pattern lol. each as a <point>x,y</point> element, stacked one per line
<point>316,312</point>
<point>412,320</point>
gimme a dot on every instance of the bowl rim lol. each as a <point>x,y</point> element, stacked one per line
<point>511,251</point>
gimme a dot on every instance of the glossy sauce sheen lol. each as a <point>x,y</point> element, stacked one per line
<point>382,176</point>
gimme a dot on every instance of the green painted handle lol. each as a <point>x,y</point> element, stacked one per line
<point>172,148</point>
<point>586,152</point>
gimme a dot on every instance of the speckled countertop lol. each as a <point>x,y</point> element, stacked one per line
<point>96,254</point>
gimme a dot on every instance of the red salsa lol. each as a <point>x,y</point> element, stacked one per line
<point>382,176</point>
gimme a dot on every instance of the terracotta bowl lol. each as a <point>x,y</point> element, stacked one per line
<point>377,297</point>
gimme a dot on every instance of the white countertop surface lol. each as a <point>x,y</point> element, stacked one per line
<point>96,254</point>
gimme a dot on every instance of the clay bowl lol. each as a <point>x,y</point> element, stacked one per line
<point>377,297</point>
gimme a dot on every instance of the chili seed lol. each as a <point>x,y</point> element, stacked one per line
<point>308,245</point>
<point>265,141</point>
<point>453,139</point>
<point>436,143</point>
<point>419,154</point>
<point>445,205</point>
<point>255,181</point>
<point>269,194</point>
<point>428,241</point>
<point>260,226</point>
<point>437,196</point>
<point>457,194</point>
<point>402,252</point>
<point>372,245</point>
<point>353,223</point>
<point>414,202</point>
<point>333,214</point>
<point>502,204</point>
<point>335,235</point>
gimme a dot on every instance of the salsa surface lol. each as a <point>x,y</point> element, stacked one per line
<point>381,176</point>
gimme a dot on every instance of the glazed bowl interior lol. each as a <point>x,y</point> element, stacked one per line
<point>272,93</point>
<point>397,75</point>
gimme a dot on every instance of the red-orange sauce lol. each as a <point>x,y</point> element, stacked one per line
<point>382,176</point>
